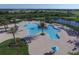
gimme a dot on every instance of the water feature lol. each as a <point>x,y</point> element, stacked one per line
<point>55,48</point>
<point>33,29</point>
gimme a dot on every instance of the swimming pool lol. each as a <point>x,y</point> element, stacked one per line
<point>33,29</point>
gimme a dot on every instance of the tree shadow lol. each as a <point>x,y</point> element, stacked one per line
<point>29,39</point>
<point>2,31</point>
<point>1,28</point>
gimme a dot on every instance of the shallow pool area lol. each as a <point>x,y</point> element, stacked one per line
<point>55,48</point>
<point>32,29</point>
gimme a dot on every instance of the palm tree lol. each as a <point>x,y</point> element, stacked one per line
<point>42,26</point>
<point>13,30</point>
<point>13,20</point>
<point>4,22</point>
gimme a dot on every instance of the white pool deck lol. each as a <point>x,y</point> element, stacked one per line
<point>43,44</point>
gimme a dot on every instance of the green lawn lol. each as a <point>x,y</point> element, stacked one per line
<point>22,48</point>
<point>76,53</point>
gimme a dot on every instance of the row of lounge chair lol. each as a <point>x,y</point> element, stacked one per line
<point>74,42</point>
<point>74,49</point>
<point>70,32</point>
<point>70,41</point>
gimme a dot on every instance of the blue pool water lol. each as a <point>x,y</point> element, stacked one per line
<point>55,48</point>
<point>33,29</point>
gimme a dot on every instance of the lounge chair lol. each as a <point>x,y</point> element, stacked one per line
<point>70,41</point>
<point>74,49</point>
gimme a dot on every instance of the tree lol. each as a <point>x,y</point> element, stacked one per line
<point>13,20</point>
<point>42,26</point>
<point>13,30</point>
<point>4,22</point>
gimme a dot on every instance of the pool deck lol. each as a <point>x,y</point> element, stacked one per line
<point>43,44</point>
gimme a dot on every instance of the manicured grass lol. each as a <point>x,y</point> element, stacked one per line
<point>21,49</point>
<point>76,53</point>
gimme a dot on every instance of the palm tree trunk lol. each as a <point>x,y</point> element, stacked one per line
<point>15,24</point>
<point>5,28</point>
<point>42,30</point>
<point>17,48</point>
<point>14,38</point>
